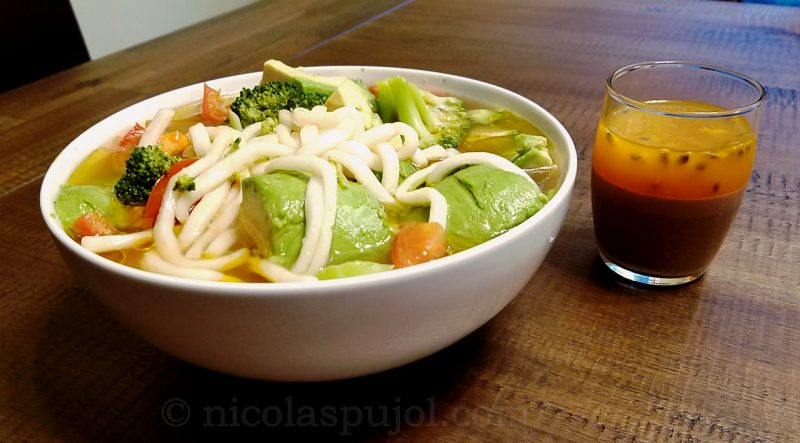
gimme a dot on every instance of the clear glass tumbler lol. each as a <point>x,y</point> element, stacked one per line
<point>673,154</point>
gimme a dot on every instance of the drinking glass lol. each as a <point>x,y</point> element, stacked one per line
<point>673,154</point>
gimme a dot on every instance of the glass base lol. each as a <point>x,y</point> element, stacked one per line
<point>647,279</point>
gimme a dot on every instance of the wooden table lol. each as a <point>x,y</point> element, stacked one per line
<point>576,356</point>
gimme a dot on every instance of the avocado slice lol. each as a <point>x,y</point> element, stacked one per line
<point>352,269</point>
<point>483,202</point>
<point>532,152</point>
<point>350,93</point>
<point>342,91</point>
<point>273,216</point>
<point>361,231</point>
<point>277,70</point>
<point>75,200</point>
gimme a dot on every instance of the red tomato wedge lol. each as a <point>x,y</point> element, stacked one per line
<point>157,194</point>
<point>417,243</point>
<point>373,89</point>
<point>131,138</point>
<point>93,223</point>
<point>214,112</point>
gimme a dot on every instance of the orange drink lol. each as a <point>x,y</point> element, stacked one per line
<point>668,174</point>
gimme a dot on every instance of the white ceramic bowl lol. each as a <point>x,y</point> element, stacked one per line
<point>329,329</point>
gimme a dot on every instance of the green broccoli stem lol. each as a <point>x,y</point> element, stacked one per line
<point>406,103</point>
<point>427,116</point>
<point>386,107</point>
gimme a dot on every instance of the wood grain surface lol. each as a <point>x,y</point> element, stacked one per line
<point>577,356</point>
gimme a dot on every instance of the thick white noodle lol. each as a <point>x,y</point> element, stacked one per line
<point>319,167</point>
<point>448,165</point>
<point>314,207</point>
<point>156,128</point>
<point>222,221</point>
<point>380,133</point>
<point>363,175</point>
<point>222,242</point>
<point>153,263</point>
<point>250,131</point>
<point>108,243</point>
<point>363,152</point>
<point>415,180</point>
<point>422,157</point>
<point>200,139</point>
<point>354,115</point>
<point>328,139</point>
<point>214,131</point>
<point>308,136</point>
<point>428,197</point>
<point>278,274</point>
<point>268,138</point>
<point>285,136</point>
<point>285,118</point>
<point>391,166</point>
<point>408,194</point>
<point>221,144</point>
<point>167,243</point>
<point>409,140</point>
<point>201,215</point>
<point>322,120</point>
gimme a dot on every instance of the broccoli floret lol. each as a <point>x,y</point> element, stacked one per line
<point>143,168</point>
<point>262,102</point>
<point>437,120</point>
<point>308,100</point>
<point>184,183</point>
<point>268,126</point>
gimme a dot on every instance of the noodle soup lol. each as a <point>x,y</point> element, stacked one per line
<point>338,189</point>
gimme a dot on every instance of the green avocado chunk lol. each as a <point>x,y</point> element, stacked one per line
<point>361,231</point>
<point>341,91</point>
<point>273,216</point>
<point>351,269</point>
<point>74,201</point>
<point>532,152</point>
<point>309,83</point>
<point>483,202</point>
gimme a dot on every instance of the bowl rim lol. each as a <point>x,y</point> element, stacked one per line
<point>313,288</point>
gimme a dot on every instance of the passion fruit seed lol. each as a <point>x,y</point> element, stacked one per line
<point>700,166</point>
<point>683,159</point>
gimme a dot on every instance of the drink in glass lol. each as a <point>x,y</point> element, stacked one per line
<point>673,154</point>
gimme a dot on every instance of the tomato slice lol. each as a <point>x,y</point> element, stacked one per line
<point>157,194</point>
<point>214,112</point>
<point>373,89</point>
<point>417,243</point>
<point>131,138</point>
<point>93,223</point>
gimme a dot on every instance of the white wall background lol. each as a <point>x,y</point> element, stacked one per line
<point>111,25</point>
